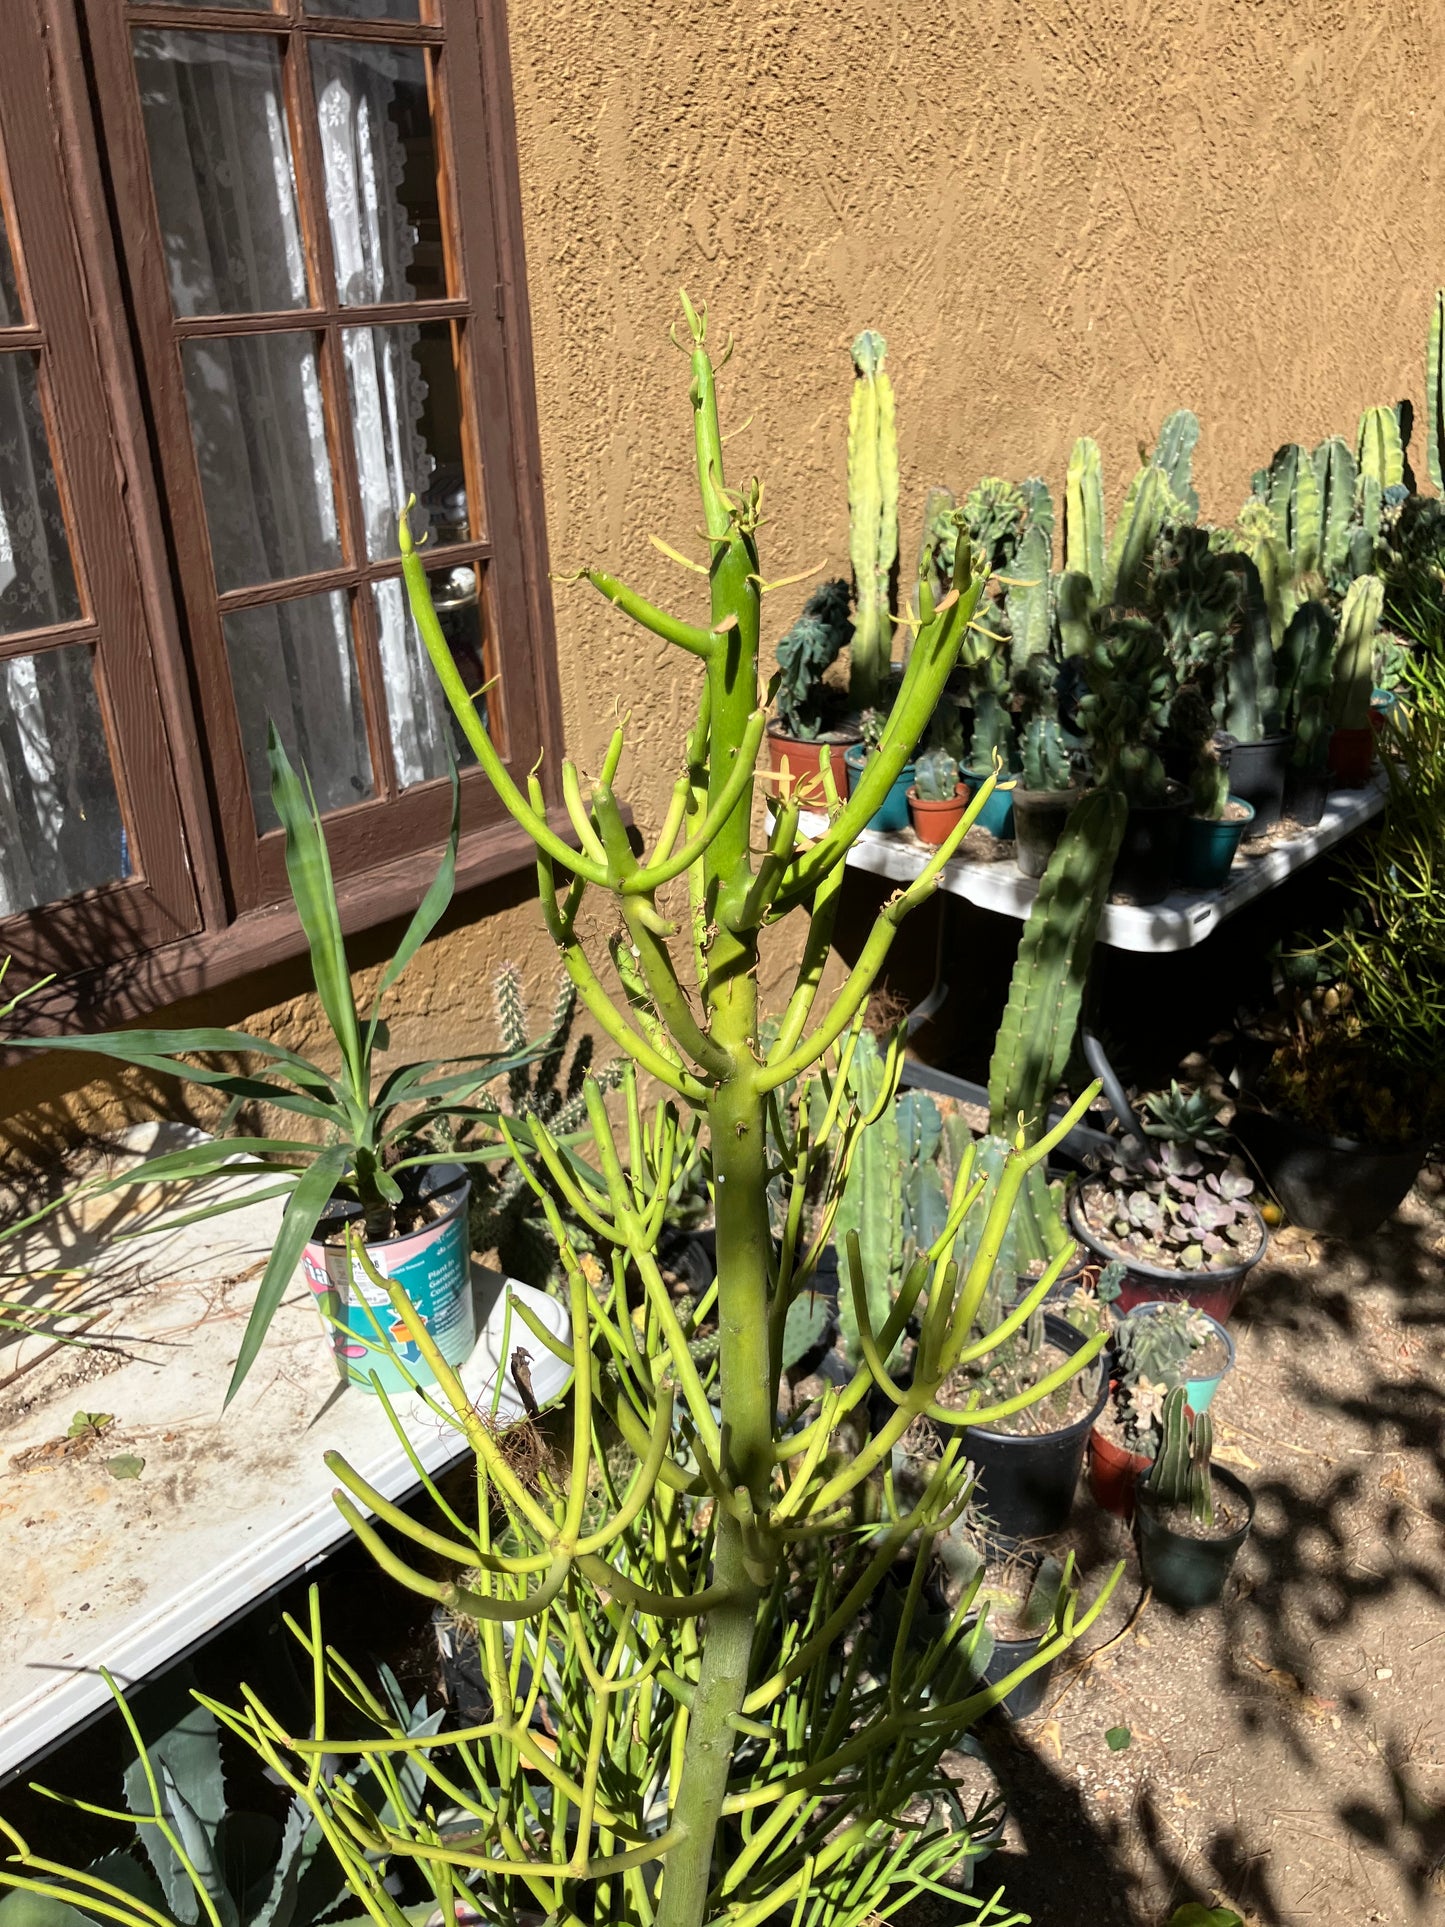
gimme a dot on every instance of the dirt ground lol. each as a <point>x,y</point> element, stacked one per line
<point>1287,1750</point>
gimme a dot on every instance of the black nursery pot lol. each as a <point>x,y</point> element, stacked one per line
<point>1305,794</point>
<point>1039,819</point>
<point>1144,867</point>
<point>1189,1573</point>
<point>1026,1481</point>
<point>1329,1184</point>
<point>1257,773</point>
<point>1027,1696</point>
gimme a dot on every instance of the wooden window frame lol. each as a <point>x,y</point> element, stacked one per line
<point>242,920</point>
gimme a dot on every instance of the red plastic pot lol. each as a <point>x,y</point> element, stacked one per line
<point>1114,1473</point>
<point>1215,1291</point>
<point>1352,754</point>
<point>799,762</point>
<point>932,820</point>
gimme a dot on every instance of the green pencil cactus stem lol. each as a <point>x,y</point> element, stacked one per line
<point>872,517</point>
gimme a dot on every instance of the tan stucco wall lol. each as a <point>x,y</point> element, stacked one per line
<point>1065,219</point>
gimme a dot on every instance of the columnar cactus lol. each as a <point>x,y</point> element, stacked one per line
<point>1044,754</point>
<point>1306,682</point>
<point>872,517</point>
<point>1435,394</point>
<point>1181,1475</point>
<point>1355,657</point>
<point>1252,706</point>
<point>1381,456</point>
<point>1084,515</point>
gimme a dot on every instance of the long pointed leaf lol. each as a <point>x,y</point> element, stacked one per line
<point>203,1213</point>
<point>429,910</point>
<point>205,1160</point>
<point>145,1046</point>
<point>298,1221</point>
<point>308,866</point>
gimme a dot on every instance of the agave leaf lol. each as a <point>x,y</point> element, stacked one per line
<point>298,1221</point>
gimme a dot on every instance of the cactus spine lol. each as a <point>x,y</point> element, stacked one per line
<point>872,517</point>
<point>1084,514</point>
<point>1355,657</point>
<point>1435,394</point>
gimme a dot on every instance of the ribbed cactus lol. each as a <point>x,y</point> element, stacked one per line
<point>1148,506</point>
<point>1354,659</point>
<point>1028,600</point>
<point>1435,393</point>
<point>1084,514</point>
<point>1335,478</point>
<point>1073,611</point>
<point>872,517</point>
<point>1047,988</point>
<point>1044,753</point>
<point>1181,1475</point>
<point>1174,454</point>
<point>894,1201</point>
<point>1252,705</point>
<point>1306,681</point>
<point>1381,456</point>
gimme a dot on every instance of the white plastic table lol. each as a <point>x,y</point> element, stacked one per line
<point>131,1573</point>
<point>1178,923</point>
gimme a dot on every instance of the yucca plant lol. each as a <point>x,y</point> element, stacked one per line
<point>688,1722</point>
<point>361,1119</point>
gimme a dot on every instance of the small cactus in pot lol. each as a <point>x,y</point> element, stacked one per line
<point>937,799</point>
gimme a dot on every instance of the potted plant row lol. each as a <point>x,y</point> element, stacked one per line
<point>1154,1348</point>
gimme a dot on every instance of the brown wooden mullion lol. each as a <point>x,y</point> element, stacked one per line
<point>213,20</point>
<point>292,320</point>
<point>257,595</point>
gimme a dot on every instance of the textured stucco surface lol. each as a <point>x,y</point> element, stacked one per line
<point>1064,218</point>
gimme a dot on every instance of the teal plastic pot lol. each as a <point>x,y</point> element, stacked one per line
<point>1198,1392</point>
<point>1207,849</point>
<point>997,814</point>
<point>892,812</point>
<point>433,1267</point>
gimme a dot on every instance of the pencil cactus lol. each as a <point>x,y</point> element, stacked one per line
<point>872,517</point>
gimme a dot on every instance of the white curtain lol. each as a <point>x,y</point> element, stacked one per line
<point>60,824</point>
<point>225,187</point>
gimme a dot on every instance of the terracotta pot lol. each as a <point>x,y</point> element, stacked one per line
<point>800,761</point>
<point>1352,753</point>
<point>1113,1473</point>
<point>932,820</point>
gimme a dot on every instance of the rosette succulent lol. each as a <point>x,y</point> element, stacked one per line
<point>1169,1207</point>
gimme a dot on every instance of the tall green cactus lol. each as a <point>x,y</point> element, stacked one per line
<point>1147,507</point>
<point>1046,991</point>
<point>1306,680</point>
<point>1028,599</point>
<point>1174,454</point>
<point>894,1199</point>
<point>1382,465</point>
<point>1084,514</point>
<point>1354,676</point>
<point>872,517</point>
<point>1044,753</point>
<point>1435,393</point>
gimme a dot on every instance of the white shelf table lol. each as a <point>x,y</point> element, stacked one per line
<point>130,1574</point>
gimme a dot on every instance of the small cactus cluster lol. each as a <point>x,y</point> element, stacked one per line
<point>1182,1475</point>
<point>1152,1354</point>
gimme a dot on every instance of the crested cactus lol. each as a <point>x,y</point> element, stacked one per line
<point>872,517</point>
<point>1355,657</point>
<point>805,653</point>
<point>1435,393</point>
<point>995,512</point>
<point>1306,680</point>
<point>1126,711</point>
<point>1084,515</point>
<point>1181,1474</point>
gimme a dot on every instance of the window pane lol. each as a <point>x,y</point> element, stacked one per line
<point>406,422</point>
<point>37,582</point>
<point>11,313</point>
<point>292,663</point>
<point>259,429</point>
<point>60,823</point>
<point>379,155</point>
<point>220,148</point>
<point>366,9</point>
<point>423,727</point>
